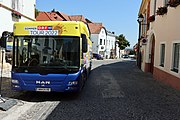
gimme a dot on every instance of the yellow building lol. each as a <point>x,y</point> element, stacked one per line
<point>159,40</point>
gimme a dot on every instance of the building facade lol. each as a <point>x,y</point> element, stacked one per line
<point>98,37</point>
<point>159,40</point>
<point>110,45</point>
<point>16,11</point>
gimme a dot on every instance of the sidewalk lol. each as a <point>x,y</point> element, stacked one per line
<point>29,111</point>
<point>6,72</point>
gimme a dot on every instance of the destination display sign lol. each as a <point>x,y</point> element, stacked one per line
<point>43,32</point>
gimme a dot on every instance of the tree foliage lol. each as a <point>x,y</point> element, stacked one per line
<point>122,41</point>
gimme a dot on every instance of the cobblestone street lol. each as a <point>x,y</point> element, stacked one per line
<point>118,90</point>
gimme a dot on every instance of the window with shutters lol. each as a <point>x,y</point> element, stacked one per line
<point>165,2</point>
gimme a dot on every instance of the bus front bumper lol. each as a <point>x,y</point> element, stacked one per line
<point>49,83</point>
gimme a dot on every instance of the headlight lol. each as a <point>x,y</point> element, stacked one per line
<point>16,86</point>
<point>73,83</point>
<point>15,81</point>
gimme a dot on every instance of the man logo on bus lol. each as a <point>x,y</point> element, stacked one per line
<point>43,82</point>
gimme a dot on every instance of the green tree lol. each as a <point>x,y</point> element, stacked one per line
<point>122,41</point>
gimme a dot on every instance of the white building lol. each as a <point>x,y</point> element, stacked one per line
<point>98,37</point>
<point>117,53</point>
<point>15,11</point>
<point>110,45</point>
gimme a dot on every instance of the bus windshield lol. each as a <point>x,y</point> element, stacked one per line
<point>48,53</point>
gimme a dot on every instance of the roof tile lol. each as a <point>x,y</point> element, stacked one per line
<point>95,28</point>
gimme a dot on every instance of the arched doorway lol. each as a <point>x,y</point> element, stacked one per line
<point>152,48</point>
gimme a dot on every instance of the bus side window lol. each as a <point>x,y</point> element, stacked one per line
<point>84,43</point>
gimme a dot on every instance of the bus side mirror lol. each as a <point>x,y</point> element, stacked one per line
<point>5,36</point>
<point>4,39</point>
<point>84,43</point>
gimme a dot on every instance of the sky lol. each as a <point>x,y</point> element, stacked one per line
<point>119,16</point>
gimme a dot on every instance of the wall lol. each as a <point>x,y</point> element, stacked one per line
<point>167,29</point>
<point>101,48</point>
<point>6,23</point>
<point>110,43</point>
<point>94,39</point>
<point>26,7</point>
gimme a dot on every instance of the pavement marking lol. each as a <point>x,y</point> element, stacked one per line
<point>112,88</point>
<point>39,111</point>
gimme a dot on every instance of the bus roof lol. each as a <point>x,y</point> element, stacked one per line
<point>50,28</point>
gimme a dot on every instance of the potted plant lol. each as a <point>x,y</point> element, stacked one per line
<point>173,3</point>
<point>161,10</point>
<point>151,18</point>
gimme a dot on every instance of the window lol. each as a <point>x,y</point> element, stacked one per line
<point>176,52</point>
<point>46,42</point>
<point>63,51</point>
<point>165,2</point>
<point>15,5</point>
<point>100,41</point>
<point>153,2</point>
<point>104,41</point>
<point>162,55</point>
<point>144,24</point>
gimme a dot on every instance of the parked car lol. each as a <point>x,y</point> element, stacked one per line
<point>97,56</point>
<point>125,56</point>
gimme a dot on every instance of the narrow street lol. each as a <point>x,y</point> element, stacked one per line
<point>115,90</point>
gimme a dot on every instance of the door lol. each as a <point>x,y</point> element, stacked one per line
<point>152,54</point>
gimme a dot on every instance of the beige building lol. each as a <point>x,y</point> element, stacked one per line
<point>159,40</point>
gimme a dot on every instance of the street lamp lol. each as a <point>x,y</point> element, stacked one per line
<point>140,19</point>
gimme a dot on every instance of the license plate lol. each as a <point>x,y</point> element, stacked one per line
<point>43,89</point>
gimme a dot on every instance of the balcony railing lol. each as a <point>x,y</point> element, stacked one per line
<point>174,3</point>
